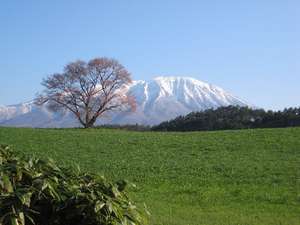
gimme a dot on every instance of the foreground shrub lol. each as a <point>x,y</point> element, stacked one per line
<point>36,191</point>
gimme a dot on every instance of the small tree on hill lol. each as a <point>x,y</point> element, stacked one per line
<point>88,90</point>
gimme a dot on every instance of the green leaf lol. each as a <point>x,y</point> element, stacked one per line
<point>26,198</point>
<point>98,206</point>
<point>7,185</point>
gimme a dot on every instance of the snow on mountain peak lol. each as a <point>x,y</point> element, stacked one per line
<point>179,79</point>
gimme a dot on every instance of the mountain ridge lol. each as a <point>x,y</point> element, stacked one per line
<point>160,99</point>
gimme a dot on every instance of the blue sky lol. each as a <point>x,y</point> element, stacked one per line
<point>250,48</point>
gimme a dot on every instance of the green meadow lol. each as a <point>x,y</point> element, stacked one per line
<point>227,177</point>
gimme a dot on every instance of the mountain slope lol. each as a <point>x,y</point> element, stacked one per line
<point>158,100</point>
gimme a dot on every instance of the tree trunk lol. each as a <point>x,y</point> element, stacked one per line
<point>90,123</point>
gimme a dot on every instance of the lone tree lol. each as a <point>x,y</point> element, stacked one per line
<point>88,90</point>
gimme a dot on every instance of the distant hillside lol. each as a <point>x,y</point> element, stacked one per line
<point>232,117</point>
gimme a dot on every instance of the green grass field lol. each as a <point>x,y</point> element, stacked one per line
<point>226,177</point>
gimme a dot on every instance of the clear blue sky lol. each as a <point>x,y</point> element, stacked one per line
<point>250,48</point>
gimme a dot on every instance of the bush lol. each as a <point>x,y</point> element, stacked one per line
<point>36,191</point>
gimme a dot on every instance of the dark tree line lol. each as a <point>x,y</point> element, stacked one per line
<point>232,117</point>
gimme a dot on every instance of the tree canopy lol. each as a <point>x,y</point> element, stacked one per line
<point>88,89</point>
<point>232,117</point>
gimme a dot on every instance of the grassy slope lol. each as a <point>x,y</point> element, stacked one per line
<point>231,177</point>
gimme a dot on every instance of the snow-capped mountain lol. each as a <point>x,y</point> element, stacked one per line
<point>158,100</point>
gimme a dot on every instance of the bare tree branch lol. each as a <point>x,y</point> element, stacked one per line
<point>88,90</point>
